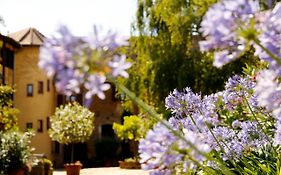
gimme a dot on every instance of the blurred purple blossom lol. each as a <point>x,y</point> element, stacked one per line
<point>269,24</point>
<point>220,27</point>
<point>197,139</point>
<point>268,91</point>
<point>96,86</point>
<point>107,41</point>
<point>57,58</point>
<point>155,150</point>
<point>82,61</point>
<point>161,151</point>
<point>119,65</point>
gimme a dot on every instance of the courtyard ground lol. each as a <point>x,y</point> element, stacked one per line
<point>106,171</point>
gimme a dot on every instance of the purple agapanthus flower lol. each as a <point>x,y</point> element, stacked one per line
<point>98,40</point>
<point>251,136</point>
<point>198,140</point>
<point>268,91</point>
<point>193,111</point>
<point>277,135</point>
<point>82,61</point>
<point>155,150</point>
<point>96,86</point>
<point>237,90</point>
<point>183,103</point>
<point>119,65</point>
<point>220,27</point>
<point>162,152</point>
<point>57,57</point>
<point>269,24</point>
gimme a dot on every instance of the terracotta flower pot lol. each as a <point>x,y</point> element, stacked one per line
<point>129,165</point>
<point>17,172</point>
<point>73,169</point>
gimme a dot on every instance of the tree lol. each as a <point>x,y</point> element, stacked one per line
<point>8,119</point>
<point>166,53</point>
<point>71,123</point>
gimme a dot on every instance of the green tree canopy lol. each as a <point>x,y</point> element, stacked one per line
<point>166,54</point>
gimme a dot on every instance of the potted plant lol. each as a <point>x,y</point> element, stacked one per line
<point>15,152</point>
<point>133,129</point>
<point>71,124</point>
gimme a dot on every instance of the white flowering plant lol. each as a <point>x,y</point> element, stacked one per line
<point>71,123</point>
<point>15,151</point>
<point>235,131</point>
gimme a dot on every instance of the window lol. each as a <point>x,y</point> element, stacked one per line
<point>40,87</point>
<point>29,90</point>
<point>48,85</point>
<point>29,125</point>
<point>48,123</point>
<point>40,126</point>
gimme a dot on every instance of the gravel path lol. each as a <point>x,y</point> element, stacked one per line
<point>106,171</point>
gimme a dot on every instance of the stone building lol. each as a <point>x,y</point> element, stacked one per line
<point>37,99</point>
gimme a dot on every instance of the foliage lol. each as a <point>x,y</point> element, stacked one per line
<point>15,152</point>
<point>8,119</point>
<point>237,130</point>
<point>133,128</point>
<point>71,123</point>
<point>228,125</point>
<point>168,47</point>
<point>234,131</point>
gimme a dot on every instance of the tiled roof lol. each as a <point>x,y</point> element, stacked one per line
<point>9,40</point>
<point>29,36</point>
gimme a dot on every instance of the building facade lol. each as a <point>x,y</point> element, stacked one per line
<point>8,47</point>
<point>35,96</point>
<point>36,99</point>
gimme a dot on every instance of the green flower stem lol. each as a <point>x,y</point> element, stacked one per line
<point>233,162</point>
<point>154,115</point>
<point>273,56</point>
<point>193,121</point>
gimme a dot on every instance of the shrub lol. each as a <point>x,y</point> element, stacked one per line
<point>15,152</point>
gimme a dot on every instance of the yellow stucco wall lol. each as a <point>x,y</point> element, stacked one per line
<point>37,107</point>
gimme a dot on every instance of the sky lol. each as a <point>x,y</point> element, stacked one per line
<point>79,15</point>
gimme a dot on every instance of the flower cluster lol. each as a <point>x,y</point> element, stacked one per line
<point>230,26</point>
<point>82,61</point>
<point>187,104</point>
<point>15,152</point>
<point>269,25</point>
<point>221,26</point>
<point>206,123</point>
<point>265,38</point>
<point>163,152</point>
<point>71,123</point>
<point>228,131</point>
